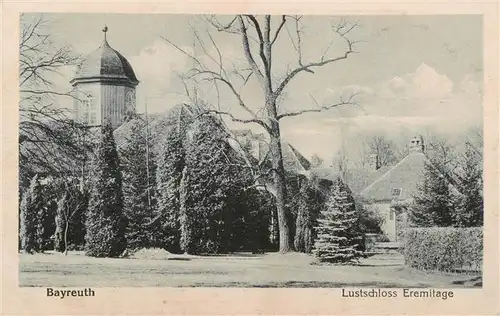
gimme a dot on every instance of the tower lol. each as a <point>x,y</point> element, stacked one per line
<point>105,85</point>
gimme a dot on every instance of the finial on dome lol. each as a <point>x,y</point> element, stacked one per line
<point>105,30</point>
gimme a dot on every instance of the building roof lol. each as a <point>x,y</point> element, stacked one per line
<point>160,124</point>
<point>293,160</point>
<point>357,179</point>
<point>105,64</point>
<point>403,177</point>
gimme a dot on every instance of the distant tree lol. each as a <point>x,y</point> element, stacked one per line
<point>434,202</point>
<point>338,240</point>
<point>105,222</point>
<point>340,162</point>
<point>170,165</point>
<point>470,211</point>
<point>316,161</point>
<point>444,157</point>
<point>138,202</point>
<point>380,147</point>
<point>32,205</point>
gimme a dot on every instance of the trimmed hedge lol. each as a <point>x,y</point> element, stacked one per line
<point>446,249</point>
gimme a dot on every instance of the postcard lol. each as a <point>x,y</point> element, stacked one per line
<point>250,158</point>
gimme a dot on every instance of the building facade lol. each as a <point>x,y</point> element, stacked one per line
<point>105,86</point>
<point>399,183</point>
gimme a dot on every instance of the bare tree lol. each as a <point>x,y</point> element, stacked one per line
<point>380,148</point>
<point>340,163</point>
<point>443,156</point>
<point>258,37</point>
<point>47,135</point>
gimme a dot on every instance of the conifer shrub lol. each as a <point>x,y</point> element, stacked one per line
<point>138,190</point>
<point>338,239</point>
<point>211,192</point>
<point>434,203</point>
<point>170,165</point>
<point>105,222</point>
<point>469,212</point>
<point>446,249</point>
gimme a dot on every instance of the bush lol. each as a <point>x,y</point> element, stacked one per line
<point>444,248</point>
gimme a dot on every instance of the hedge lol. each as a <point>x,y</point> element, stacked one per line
<point>446,249</point>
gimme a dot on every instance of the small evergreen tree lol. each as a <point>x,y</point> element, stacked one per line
<point>470,211</point>
<point>32,204</point>
<point>434,203</point>
<point>137,188</point>
<point>105,222</point>
<point>338,240</point>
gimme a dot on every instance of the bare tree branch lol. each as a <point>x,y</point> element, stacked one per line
<point>342,30</point>
<point>320,108</point>
<point>278,30</point>
<point>235,119</point>
<point>247,51</point>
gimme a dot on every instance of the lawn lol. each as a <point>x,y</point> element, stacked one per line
<point>239,270</point>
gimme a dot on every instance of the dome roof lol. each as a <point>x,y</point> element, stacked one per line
<point>105,63</point>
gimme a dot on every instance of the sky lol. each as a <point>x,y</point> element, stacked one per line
<point>412,73</point>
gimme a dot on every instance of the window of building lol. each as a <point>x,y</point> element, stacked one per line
<point>89,110</point>
<point>395,192</point>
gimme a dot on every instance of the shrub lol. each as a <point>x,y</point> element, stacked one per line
<point>444,248</point>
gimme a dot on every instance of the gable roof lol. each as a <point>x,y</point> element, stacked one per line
<point>406,175</point>
<point>293,160</point>
<point>357,179</point>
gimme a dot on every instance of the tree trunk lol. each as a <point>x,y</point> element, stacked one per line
<point>280,185</point>
<point>66,237</point>
<point>285,242</point>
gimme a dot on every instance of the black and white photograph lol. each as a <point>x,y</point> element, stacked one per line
<point>251,151</point>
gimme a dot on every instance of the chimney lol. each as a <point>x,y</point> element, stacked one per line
<point>374,162</point>
<point>417,145</point>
